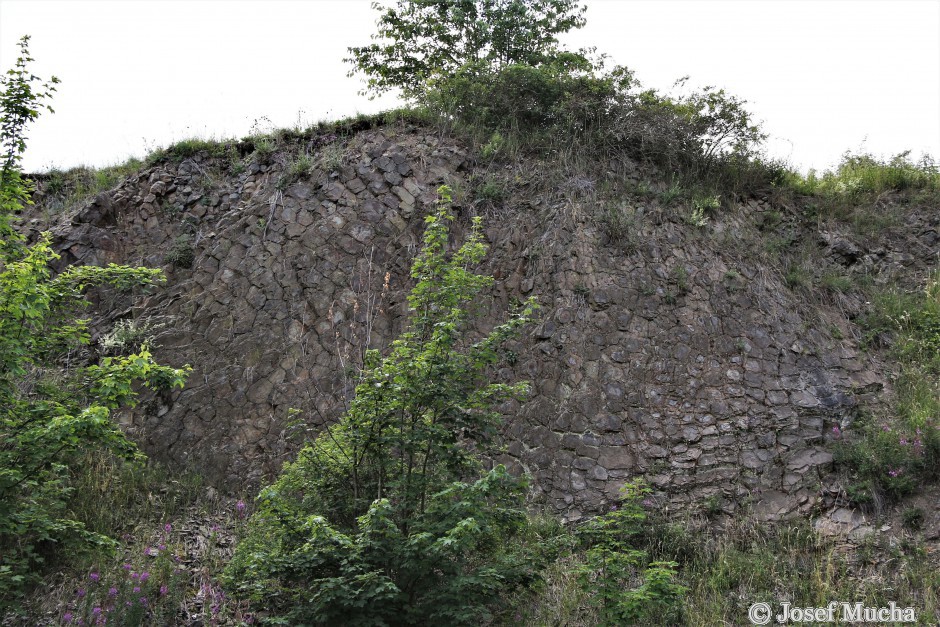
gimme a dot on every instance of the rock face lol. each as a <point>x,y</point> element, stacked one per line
<point>682,360</point>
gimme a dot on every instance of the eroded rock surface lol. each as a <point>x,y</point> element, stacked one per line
<point>681,359</point>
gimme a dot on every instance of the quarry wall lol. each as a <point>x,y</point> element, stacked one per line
<point>677,357</point>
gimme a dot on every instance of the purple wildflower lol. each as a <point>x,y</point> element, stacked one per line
<point>112,592</point>
<point>836,431</point>
<point>240,507</point>
<point>127,567</point>
<point>96,611</point>
<point>67,618</point>
<point>903,441</point>
<point>167,528</point>
<point>163,590</point>
<point>81,593</point>
<point>94,577</point>
<point>894,472</point>
<point>143,601</point>
<point>144,576</point>
<point>162,547</point>
<point>136,589</point>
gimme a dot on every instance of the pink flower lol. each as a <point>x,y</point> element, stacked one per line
<point>168,528</point>
<point>836,431</point>
<point>894,473</point>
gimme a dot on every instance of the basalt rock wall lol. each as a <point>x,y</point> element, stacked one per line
<point>676,356</point>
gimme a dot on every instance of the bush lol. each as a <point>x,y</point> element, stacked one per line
<point>51,416</point>
<point>561,95</point>
<point>613,567</point>
<point>388,518</point>
<point>861,175</point>
<point>570,105</point>
<point>181,253</point>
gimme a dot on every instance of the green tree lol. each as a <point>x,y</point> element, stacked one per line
<point>50,414</point>
<point>613,564</point>
<point>388,517</point>
<point>418,40</point>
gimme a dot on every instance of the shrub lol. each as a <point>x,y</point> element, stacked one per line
<point>128,335</point>
<point>620,224</point>
<point>50,416</point>
<point>181,253</point>
<point>186,148</point>
<point>613,566</point>
<point>864,175</point>
<point>388,517</point>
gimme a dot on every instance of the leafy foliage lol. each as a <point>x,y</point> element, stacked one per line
<point>613,566</point>
<point>50,415</point>
<point>20,103</point>
<point>893,456</point>
<point>860,175</point>
<point>388,517</point>
<point>420,40</point>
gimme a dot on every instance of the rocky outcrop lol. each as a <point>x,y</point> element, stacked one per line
<point>680,358</point>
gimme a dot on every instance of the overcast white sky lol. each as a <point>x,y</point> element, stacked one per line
<point>824,75</point>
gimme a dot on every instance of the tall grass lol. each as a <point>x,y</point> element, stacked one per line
<point>892,455</point>
<point>729,566</point>
<point>862,175</point>
<point>111,496</point>
<point>64,189</point>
